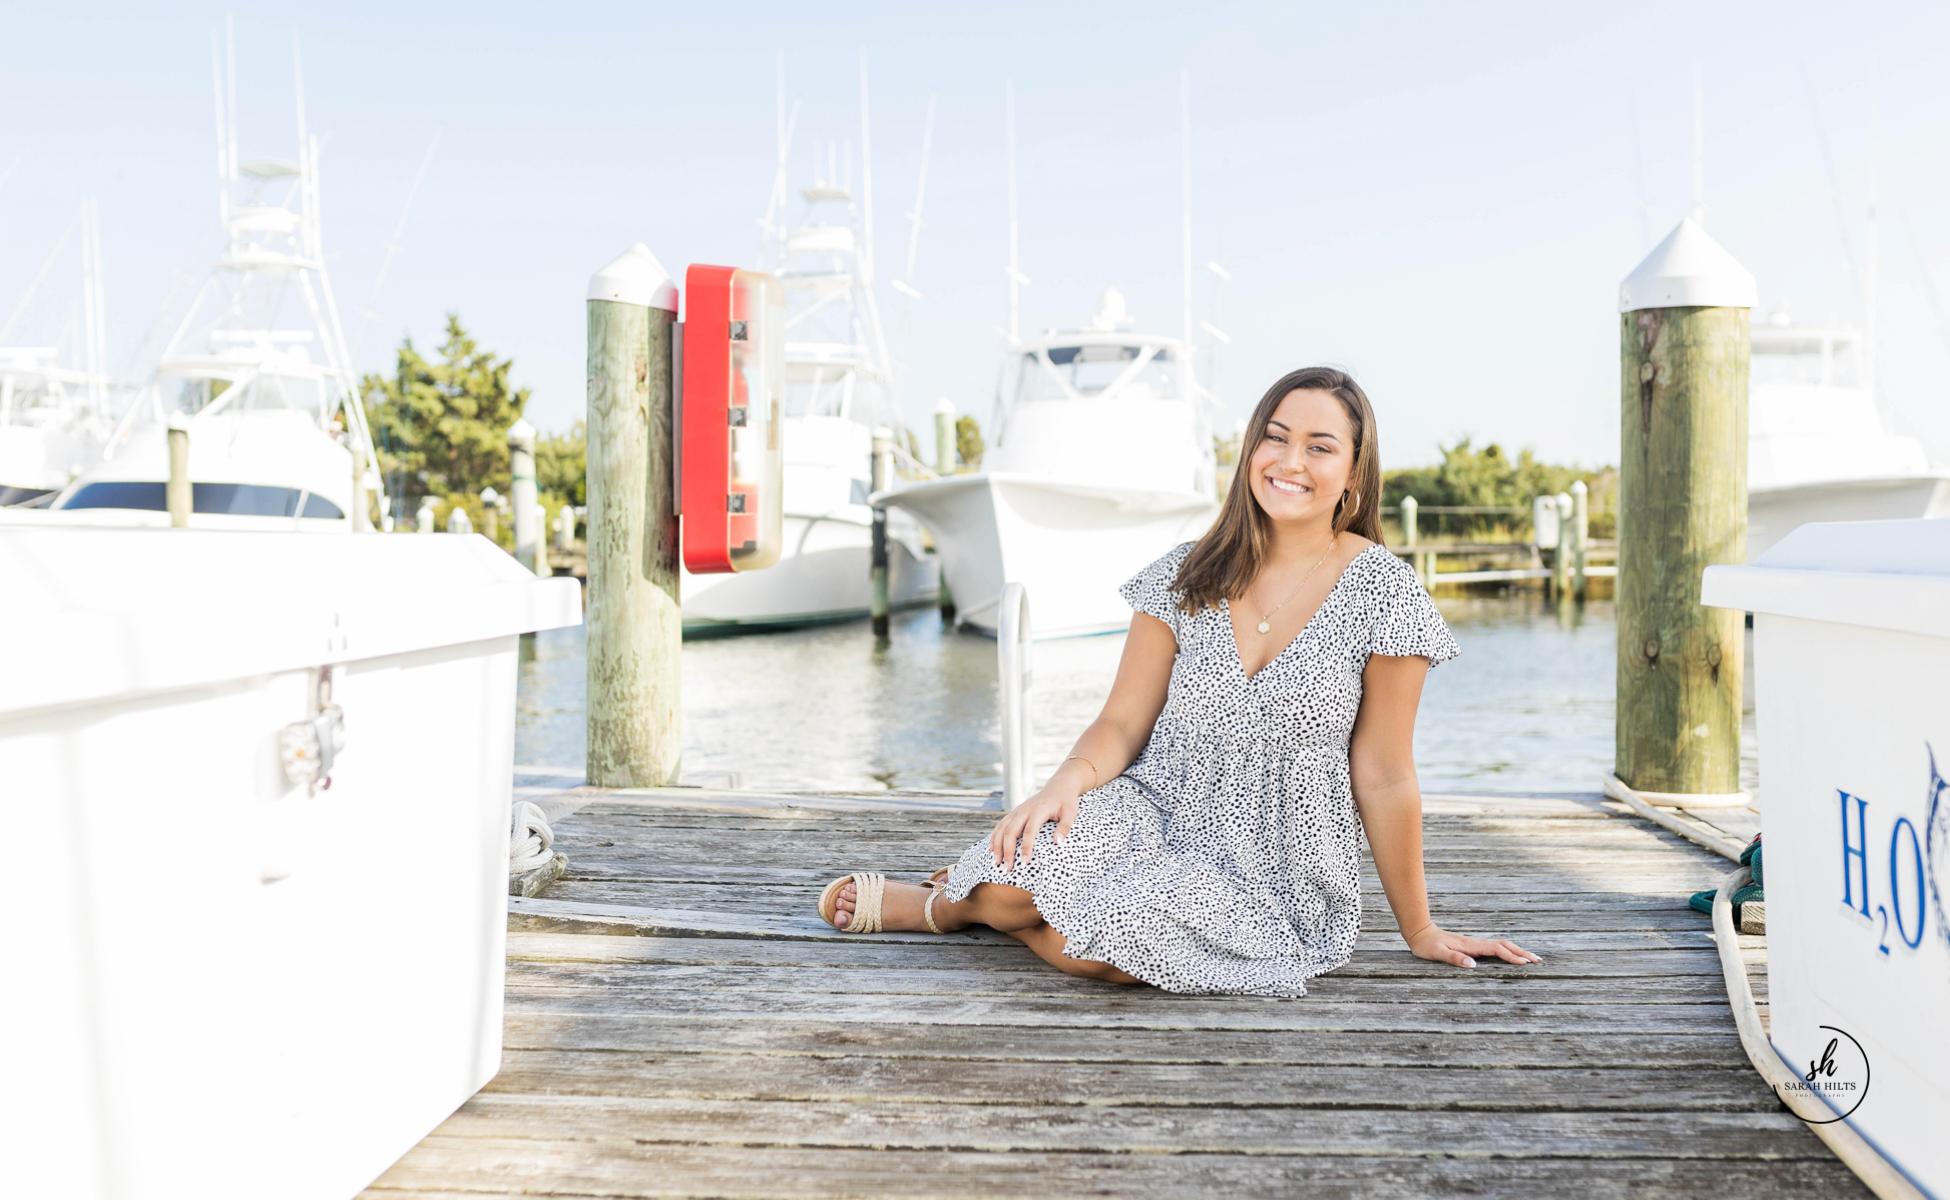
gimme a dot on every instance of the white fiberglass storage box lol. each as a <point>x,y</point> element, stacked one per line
<point>1852,669</point>
<point>218,982</point>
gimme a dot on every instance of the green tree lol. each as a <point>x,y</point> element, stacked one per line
<point>562,465</point>
<point>968,442</point>
<point>1472,477</point>
<point>442,424</point>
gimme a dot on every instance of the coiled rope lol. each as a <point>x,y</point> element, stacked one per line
<point>529,839</point>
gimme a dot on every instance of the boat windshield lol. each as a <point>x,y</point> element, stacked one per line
<point>1088,370</point>
<point>230,499</point>
<point>260,392</point>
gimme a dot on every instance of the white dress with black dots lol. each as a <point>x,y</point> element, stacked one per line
<point>1227,858</point>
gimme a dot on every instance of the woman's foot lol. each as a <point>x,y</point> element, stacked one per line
<point>900,908</point>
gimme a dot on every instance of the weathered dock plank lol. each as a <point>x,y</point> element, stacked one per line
<point>680,1024</point>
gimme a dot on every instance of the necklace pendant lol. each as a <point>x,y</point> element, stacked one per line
<point>1265,627</point>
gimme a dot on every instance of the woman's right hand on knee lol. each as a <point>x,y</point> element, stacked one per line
<point>1020,827</point>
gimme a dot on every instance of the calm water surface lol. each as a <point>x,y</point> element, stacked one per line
<point>1527,707</point>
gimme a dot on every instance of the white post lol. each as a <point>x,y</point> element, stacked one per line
<point>1012,642</point>
<point>528,530</point>
<point>425,517</point>
<point>458,521</point>
<point>565,529</point>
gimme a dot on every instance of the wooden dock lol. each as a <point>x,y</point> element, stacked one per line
<point>680,1024</point>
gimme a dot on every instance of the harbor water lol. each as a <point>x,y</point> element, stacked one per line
<point>1527,708</point>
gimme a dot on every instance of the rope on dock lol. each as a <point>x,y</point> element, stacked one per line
<point>1856,1154</point>
<point>529,839</point>
<point>1719,844</point>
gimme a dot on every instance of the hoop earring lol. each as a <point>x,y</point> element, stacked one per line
<point>1351,501</point>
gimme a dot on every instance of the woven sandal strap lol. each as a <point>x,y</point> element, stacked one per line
<point>869,888</point>
<point>927,909</point>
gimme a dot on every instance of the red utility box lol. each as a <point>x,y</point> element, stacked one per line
<point>734,381</point>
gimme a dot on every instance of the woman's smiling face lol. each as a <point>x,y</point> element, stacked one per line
<point>1302,465</point>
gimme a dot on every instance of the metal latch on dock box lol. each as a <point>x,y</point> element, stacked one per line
<point>308,748</point>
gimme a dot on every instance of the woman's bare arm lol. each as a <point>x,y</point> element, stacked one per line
<point>1111,743</point>
<point>1381,759</point>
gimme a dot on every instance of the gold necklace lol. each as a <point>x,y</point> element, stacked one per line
<point>1266,619</point>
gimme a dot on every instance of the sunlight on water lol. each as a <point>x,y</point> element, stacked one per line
<point>1527,708</point>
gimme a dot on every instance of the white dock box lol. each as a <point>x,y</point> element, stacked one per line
<point>220,983</point>
<point>1852,670</point>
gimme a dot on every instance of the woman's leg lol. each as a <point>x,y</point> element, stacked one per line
<point>1010,910</point>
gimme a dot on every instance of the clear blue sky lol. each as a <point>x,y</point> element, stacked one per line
<point>1440,196</point>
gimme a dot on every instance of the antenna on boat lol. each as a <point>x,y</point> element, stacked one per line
<point>40,277</point>
<point>1834,180</point>
<point>1638,169</point>
<point>905,284</point>
<point>93,325</point>
<point>393,247</point>
<point>298,85</point>
<point>1699,148</point>
<point>223,139</point>
<point>1016,278</point>
<point>1869,278</point>
<point>1185,147</point>
<point>884,366</point>
<point>773,223</point>
<point>1929,277</point>
<point>230,91</point>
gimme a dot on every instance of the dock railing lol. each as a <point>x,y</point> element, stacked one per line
<point>1012,643</point>
<point>1558,526</point>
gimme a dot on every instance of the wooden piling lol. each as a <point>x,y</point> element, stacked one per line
<point>633,620</point>
<point>521,496</point>
<point>178,496</point>
<point>883,454</point>
<point>1561,557</point>
<point>1580,537</point>
<point>1409,536</point>
<point>944,465</point>
<point>1682,507</point>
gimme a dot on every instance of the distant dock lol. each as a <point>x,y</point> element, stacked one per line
<point>680,1023</point>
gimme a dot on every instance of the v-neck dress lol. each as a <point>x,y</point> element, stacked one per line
<point>1227,857</point>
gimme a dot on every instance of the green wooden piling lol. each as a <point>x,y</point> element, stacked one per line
<point>882,470</point>
<point>632,613</point>
<point>1682,507</point>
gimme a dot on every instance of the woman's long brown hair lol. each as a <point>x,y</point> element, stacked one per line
<point>1223,564</point>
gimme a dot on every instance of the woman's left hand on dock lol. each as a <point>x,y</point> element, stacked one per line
<point>1459,949</point>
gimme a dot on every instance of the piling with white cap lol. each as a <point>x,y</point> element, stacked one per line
<point>1682,506</point>
<point>521,495</point>
<point>633,618</point>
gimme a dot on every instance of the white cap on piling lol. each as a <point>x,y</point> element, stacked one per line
<point>1689,269</point>
<point>521,431</point>
<point>945,405</point>
<point>635,278</point>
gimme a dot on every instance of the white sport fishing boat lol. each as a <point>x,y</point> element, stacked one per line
<point>1103,462</point>
<point>58,403</point>
<point>1817,447</point>
<point>257,373</point>
<point>839,386</point>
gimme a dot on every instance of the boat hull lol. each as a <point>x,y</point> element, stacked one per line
<point>1071,545</point>
<point>1773,513</point>
<point>824,576</point>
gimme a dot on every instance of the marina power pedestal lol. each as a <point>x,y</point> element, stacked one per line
<point>731,479</point>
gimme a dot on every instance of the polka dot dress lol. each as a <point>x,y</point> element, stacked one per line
<point>1227,858</point>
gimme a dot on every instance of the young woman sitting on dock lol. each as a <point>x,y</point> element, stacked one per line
<point>1204,835</point>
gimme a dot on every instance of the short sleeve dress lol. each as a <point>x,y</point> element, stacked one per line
<point>1227,857</point>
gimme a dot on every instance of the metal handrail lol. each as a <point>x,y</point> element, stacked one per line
<point>1012,642</point>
